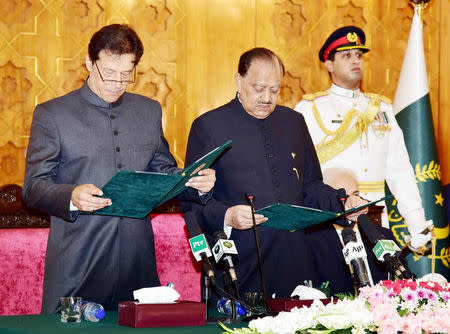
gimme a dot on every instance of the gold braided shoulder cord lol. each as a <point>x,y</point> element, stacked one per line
<point>346,136</point>
<point>339,132</point>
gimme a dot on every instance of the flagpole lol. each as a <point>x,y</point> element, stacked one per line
<point>419,6</point>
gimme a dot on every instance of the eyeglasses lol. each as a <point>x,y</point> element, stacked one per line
<point>127,77</point>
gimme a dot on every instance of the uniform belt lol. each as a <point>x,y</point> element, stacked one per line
<point>371,187</point>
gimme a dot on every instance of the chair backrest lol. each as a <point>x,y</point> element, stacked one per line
<point>22,255</point>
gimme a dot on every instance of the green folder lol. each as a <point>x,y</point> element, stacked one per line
<point>135,194</point>
<point>294,217</point>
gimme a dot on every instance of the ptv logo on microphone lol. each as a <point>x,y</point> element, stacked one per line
<point>199,245</point>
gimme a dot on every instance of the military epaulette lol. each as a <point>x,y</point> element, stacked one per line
<point>313,96</point>
<point>383,98</point>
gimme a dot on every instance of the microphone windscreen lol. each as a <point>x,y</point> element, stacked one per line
<point>192,224</point>
<point>219,234</point>
<point>369,229</point>
<point>348,235</point>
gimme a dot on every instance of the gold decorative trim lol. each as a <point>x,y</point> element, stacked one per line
<point>343,138</point>
<point>313,96</point>
<point>383,98</point>
<point>377,186</point>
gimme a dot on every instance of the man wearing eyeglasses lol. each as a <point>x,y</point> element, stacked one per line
<point>77,143</point>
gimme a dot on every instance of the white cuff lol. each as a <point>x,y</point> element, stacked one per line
<point>72,207</point>
<point>227,229</point>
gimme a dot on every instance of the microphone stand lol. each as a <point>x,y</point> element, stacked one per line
<point>229,286</point>
<point>390,271</point>
<point>206,293</point>
<point>346,224</point>
<point>258,251</point>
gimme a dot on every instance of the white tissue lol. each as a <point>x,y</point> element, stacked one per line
<point>156,295</point>
<point>305,292</point>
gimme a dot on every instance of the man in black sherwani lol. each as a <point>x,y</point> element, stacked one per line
<point>272,158</point>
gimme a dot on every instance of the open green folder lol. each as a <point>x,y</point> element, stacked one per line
<point>293,217</point>
<point>135,194</point>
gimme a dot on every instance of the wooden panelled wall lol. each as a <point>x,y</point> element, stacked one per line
<point>191,52</point>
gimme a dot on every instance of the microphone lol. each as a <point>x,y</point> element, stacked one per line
<point>223,250</point>
<point>354,254</point>
<point>199,245</point>
<point>342,200</point>
<point>384,250</point>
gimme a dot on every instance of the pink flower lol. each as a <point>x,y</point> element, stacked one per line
<point>411,324</point>
<point>421,293</point>
<point>445,295</point>
<point>409,295</point>
<point>431,296</point>
<point>386,317</point>
<point>410,284</point>
<point>423,306</point>
<point>387,283</point>
<point>438,287</point>
<point>430,322</point>
<point>391,293</point>
<point>396,286</point>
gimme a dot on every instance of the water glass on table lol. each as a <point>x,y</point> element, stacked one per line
<point>70,309</point>
<point>256,302</point>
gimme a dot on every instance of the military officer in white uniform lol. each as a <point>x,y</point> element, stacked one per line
<point>358,130</point>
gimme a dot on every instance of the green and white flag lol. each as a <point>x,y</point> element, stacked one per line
<point>413,114</point>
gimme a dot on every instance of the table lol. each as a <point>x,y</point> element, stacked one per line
<point>50,323</point>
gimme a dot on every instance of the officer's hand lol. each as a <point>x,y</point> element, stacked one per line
<point>418,242</point>
<point>353,201</point>
<point>240,217</point>
<point>83,198</point>
<point>204,181</point>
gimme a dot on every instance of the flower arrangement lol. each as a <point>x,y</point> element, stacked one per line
<point>390,307</point>
<point>409,306</point>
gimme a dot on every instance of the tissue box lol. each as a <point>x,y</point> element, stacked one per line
<point>181,313</point>
<point>285,304</point>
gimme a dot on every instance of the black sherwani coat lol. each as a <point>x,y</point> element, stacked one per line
<point>77,139</point>
<point>274,160</point>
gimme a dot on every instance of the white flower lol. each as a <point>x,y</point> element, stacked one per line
<point>345,313</point>
<point>289,322</point>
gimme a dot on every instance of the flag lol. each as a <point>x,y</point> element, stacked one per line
<point>413,114</point>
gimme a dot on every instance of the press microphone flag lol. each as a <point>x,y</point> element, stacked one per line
<point>199,245</point>
<point>222,247</point>
<point>384,250</point>
<point>385,247</point>
<point>354,254</point>
<point>223,250</point>
<point>197,239</point>
<point>353,250</point>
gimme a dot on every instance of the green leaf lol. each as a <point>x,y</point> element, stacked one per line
<point>343,296</point>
